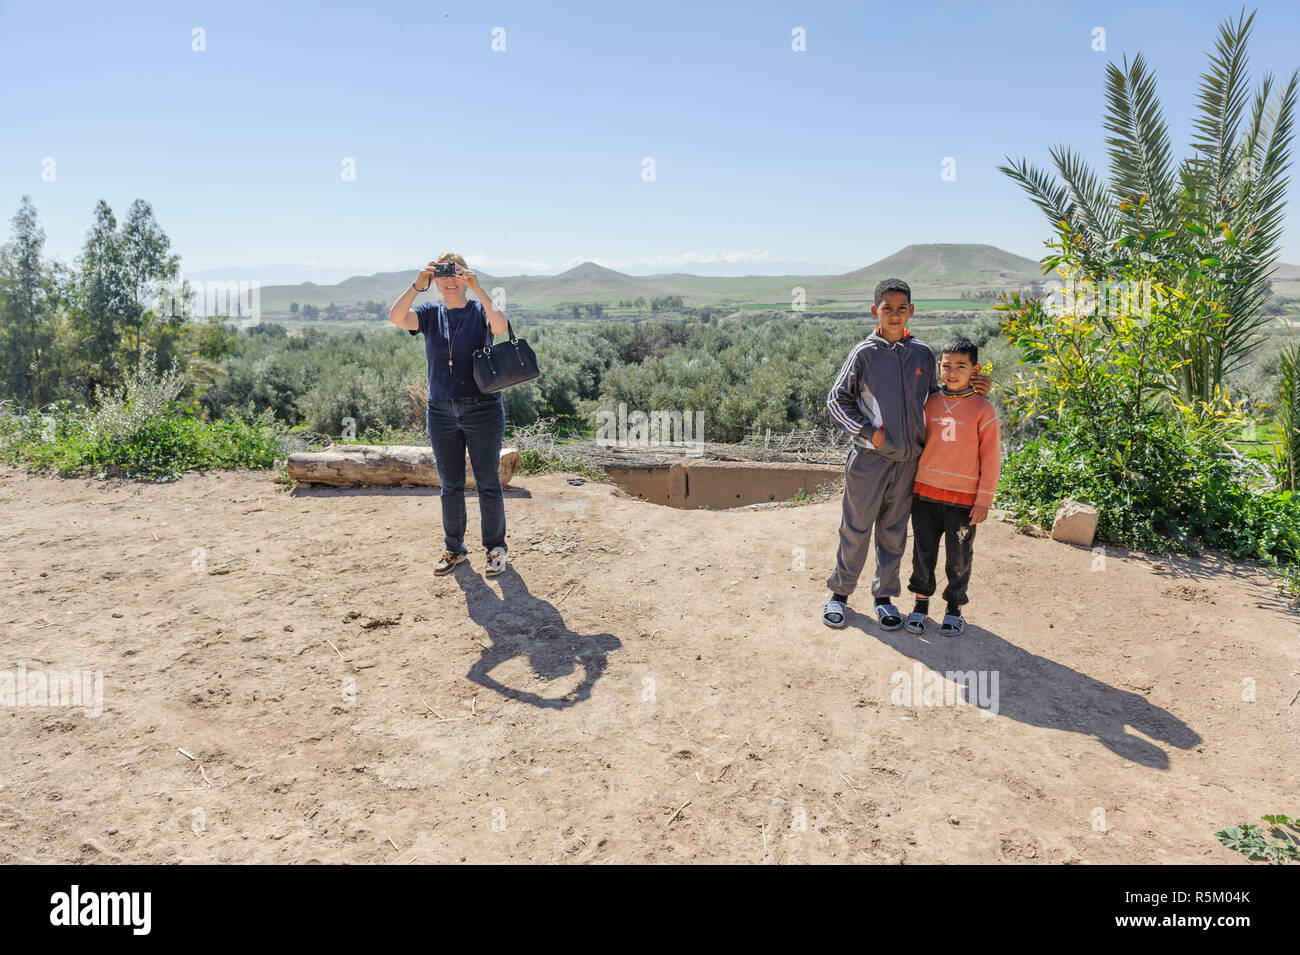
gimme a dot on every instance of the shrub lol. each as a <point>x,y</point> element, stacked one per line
<point>63,440</point>
<point>124,413</point>
<point>372,398</point>
<point>1157,486</point>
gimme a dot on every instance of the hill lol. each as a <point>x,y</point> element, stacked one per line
<point>935,271</point>
<point>642,684</point>
<point>948,266</point>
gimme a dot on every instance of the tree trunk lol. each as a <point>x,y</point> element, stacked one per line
<point>386,465</point>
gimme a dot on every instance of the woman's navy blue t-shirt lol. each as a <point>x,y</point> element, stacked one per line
<point>467,329</point>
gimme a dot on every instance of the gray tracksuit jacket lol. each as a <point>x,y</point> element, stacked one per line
<point>884,386</point>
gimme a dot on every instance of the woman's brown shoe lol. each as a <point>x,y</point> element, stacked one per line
<point>449,560</point>
<point>496,561</point>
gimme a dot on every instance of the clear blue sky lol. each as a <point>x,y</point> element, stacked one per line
<point>534,154</point>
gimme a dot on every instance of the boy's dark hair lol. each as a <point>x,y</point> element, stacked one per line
<point>893,285</point>
<point>962,346</point>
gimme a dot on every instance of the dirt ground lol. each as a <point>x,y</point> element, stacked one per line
<point>643,684</point>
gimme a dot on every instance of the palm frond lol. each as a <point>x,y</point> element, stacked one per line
<point>1261,199</point>
<point>1221,102</point>
<point>1090,207</point>
<point>1253,143</point>
<point>1042,187</point>
<point>1141,160</point>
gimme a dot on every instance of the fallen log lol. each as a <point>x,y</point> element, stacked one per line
<point>387,465</point>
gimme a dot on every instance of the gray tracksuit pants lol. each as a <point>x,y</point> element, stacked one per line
<point>877,493</point>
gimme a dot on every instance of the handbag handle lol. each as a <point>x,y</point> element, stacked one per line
<point>487,350</point>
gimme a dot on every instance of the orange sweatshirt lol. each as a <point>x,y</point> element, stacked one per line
<point>963,450</point>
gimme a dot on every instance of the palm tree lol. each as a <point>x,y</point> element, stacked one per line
<point>1214,220</point>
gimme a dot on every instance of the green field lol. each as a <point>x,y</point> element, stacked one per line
<point>950,304</point>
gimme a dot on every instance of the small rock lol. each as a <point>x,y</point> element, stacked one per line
<point>112,830</point>
<point>1075,523</point>
<point>954,821</point>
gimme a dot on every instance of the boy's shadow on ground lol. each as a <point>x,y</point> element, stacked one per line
<point>519,625</point>
<point>1041,692</point>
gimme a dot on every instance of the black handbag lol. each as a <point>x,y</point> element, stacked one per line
<point>498,367</point>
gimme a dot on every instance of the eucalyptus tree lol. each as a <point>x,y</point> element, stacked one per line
<point>149,266</point>
<point>103,302</point>
<point>28,300</point>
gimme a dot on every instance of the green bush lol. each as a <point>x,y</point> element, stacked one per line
<point>372,398</point>
<point>1157,486</point>
<point>175,439</point>
<point>122,414</point>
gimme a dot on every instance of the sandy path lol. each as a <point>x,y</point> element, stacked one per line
<point>642,660</point>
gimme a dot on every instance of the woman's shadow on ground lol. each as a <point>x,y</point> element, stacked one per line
<point>1041,692</point>
<point>521,625</point>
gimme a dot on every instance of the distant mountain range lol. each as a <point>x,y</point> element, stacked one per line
<point>935,271</point>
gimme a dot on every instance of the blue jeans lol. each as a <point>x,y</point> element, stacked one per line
<point>479,425</point>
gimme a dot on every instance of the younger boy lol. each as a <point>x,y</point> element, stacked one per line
<point>955,482</point>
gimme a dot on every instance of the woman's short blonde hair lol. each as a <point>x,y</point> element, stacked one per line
<point>452,257</point>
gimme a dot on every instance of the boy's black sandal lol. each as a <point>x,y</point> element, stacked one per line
<point>888,616</point>
<point>952,625</point>
<point>835,613</point>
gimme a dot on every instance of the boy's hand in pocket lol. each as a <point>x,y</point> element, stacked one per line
<point>878,437</point>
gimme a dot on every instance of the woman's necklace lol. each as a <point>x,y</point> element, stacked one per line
<point>451,337</point>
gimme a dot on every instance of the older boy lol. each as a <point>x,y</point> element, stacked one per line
<point>878,398</point>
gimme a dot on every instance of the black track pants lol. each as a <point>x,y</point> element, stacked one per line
<point>951,522</point>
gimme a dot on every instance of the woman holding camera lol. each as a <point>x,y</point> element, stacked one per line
<point>460,417</point>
